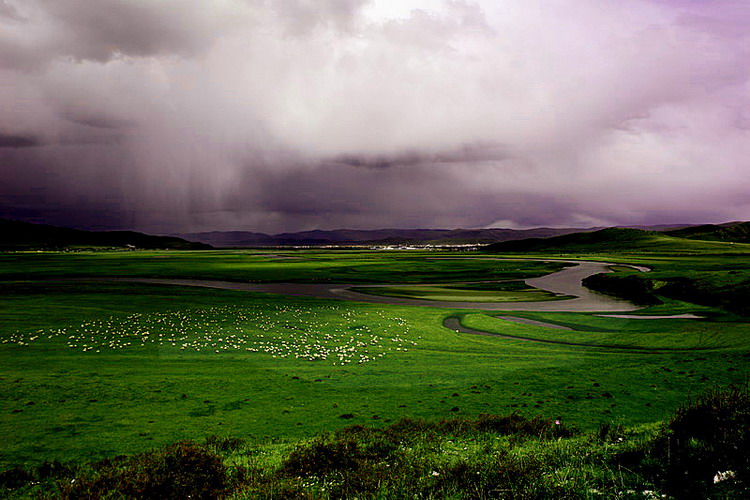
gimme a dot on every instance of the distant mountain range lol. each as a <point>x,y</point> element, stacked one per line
<point>23,235</point>
<point>370,237</point>
<point>353,237</point>
<point>17,235</point>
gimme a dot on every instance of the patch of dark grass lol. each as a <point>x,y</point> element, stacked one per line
<point>505,425</point>
<point>349,463</point>
<point>359,460</point>
<point>609,432</point>
<point>501,475</point>
<point>45,473</point>
<point>14,478</point>
<point>704,447</point>
<point>181,470</point>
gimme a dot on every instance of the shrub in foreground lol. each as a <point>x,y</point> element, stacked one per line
<point>181,470</point>
<point>705,448</point>
<point>406,459</point>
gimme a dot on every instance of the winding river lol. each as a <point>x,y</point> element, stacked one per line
<point>564,282</point>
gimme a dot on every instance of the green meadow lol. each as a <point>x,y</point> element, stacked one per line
<point>92,369</point>
<point>511,291</point>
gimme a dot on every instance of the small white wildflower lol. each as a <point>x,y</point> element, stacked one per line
<point>723,476</point>
<point>435,473</point>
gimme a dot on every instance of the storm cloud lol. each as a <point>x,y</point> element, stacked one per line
<point>186,115</point>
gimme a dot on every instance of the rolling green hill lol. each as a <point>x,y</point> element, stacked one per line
<point>738,232</point>
<point>17,235</point>
<point>618,240</point>
<point>602,239</point>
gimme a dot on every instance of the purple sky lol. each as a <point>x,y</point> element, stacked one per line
<point>193,115</point>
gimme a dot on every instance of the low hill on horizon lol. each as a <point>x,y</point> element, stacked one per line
<point>17,235</point>
<point>609,239</point>
<point>738,232</point>
<point>577,241</point>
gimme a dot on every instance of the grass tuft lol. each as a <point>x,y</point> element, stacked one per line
<point>181,470</point>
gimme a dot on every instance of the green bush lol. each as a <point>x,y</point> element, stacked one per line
<point>325,455</point>
<point>730,296</point>
<point>631,287</point>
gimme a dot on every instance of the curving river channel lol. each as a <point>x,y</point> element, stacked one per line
<point>564,282</point>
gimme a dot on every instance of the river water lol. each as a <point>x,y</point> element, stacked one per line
<point>564,282</point>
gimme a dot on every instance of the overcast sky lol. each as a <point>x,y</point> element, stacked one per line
<point>263,115</point>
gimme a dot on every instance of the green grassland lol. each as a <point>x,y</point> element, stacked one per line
<point>90,370</point>
<point>618,240</point>
<point>511,291</point>
<point>283,266</point>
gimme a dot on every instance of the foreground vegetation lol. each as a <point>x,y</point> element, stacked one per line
<point>698,453</point>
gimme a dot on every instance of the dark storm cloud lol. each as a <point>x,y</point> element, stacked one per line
<point>18,141</point>
<point>100,121</point>
<point>249,114</point>
<point>381,161</point>
<point>467,153</point>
